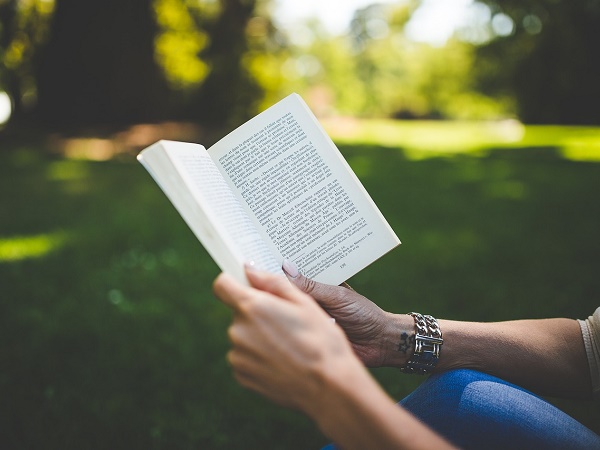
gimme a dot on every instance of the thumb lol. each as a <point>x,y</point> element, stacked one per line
<point>326,295</point>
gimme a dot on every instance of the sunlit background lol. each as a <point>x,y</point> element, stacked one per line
<point>411,59</point>
<point>433,22</point>
<point>474,125</point>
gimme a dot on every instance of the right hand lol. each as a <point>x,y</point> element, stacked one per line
<point>373,332</point>
<point>283,345</point>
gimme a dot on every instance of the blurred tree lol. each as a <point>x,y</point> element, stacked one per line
<point>268,50</point>
<point>376,70</point>
<point>415,80</point>
<point>24,27</point>
<point>230,93</point>
<point>216,57</point>
<point>182,38</point>
<point>82,63</point>
<point>364,72</point>
<point>381,52</point>
<point>98,65</point>
<point>545,53</point>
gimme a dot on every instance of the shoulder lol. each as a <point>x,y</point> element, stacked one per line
<point>590,329</point>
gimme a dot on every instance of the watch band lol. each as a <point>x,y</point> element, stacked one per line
<point>428,344</point>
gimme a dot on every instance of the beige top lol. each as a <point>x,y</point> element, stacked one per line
<point>590,329</point>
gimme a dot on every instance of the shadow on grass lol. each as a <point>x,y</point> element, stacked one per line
<point>113,339</point>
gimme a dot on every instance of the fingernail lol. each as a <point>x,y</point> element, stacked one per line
<point>250,265</point>
<point>290,268</point>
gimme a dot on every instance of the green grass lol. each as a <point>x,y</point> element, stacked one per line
<point>110,336</point>
<point>440,138</point>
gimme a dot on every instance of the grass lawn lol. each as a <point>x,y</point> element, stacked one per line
<point>110,336</point>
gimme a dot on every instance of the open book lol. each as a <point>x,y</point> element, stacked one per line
<point>275,188</point>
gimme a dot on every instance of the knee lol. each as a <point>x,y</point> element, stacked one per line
<point>461,395</point>
<point>443,391</point>
<point>476,410</point>
<point>455,398</point>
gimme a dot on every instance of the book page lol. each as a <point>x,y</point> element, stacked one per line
<point>207,204</point>
<point>301,194</point>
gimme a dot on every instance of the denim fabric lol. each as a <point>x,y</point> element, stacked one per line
<point>474,410</point>
<point>477,411</point>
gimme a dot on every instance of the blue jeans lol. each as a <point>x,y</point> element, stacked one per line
<point>477,411</point>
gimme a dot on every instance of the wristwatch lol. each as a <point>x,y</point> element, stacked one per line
<point>428,344</point>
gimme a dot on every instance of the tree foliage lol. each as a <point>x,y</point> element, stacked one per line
<point>24,26</point>
<point>71,64</point>
<point>79,63</point>
<point>375,70</point>
<point>549,60</point>
<point>98,66</point>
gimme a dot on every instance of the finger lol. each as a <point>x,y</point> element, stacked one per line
<point>242,372</point>
<point>230,291</point>
<point>347,286</point>
<point>245,340</point>
<point>275,284</point>
<point>249,371</point>
<point>252,383</point>
<point>242,362</point>
<point>327,295</point>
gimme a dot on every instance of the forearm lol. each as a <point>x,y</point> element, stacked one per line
<point>357,414</point>
<point>546,356</point>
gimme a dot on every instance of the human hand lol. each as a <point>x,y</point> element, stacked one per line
<point>283,345</point>
<point>376,335</point>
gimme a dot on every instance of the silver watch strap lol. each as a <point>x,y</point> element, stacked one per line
<point>428,344</point>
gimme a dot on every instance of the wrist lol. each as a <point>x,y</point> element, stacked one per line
<point>428,341</point>
<point>397,344</point>
<point>356,413</point>
<point>347,392</point>
<point>337,381</point>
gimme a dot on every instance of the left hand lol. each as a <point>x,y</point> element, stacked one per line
<point>284,346</point>
<point>373,333</point>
